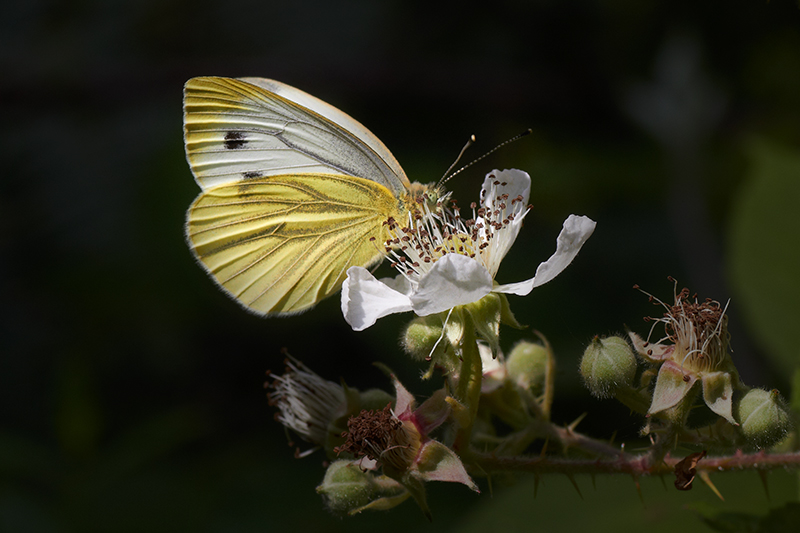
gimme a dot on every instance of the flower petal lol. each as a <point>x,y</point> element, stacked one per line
<point>399,283</point>
<point>718,394</point>
<point>365,299</point>
<point>651,353</point>
<point>517,183</point>
<point>672,386</point>
<point>577,229</point>
<point>432,413</point>
<point>514,183</point>
<point>404,400</point>
<point>453,280</point>
<point>437,462</point>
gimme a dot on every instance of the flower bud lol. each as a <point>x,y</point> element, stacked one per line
<point>527,365</point>
<point>421,336</point>
<point>607,365</point>
<point>763,417</point>
<point>375,399</point>
<point>486,315</point>
<point>347,489</point>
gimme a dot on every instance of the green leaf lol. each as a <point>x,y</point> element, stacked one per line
<point>725,521</point>
<point>764,255</point>
<point>782,520</point>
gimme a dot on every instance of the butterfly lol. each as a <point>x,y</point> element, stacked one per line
<point>294,192</point>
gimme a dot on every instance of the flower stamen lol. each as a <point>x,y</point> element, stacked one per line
<point>306,402</point>
<point>698,330</point>
<point>431,234</point>
<point>380,436</point>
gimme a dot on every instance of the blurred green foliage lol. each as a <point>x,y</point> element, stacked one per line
<point>131,389</point>
<point>779,520</point>
<point>765,251</point>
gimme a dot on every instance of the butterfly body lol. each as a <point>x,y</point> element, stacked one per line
<point>294,192</point>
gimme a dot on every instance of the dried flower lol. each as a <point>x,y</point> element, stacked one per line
<point>694,349</point>
<point>314,408</point>
<point>397,441</point>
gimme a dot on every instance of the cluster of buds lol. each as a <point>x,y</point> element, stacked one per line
<point>436,339</point>
<point>516,389</point>
<point>691,360</point>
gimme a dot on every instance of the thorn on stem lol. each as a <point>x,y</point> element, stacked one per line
<point>639,490</point>
<point>763,475</point>
<point>707,480</point>
<point>574,484</point>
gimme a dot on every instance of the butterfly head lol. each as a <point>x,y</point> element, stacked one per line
<point>426,197</point>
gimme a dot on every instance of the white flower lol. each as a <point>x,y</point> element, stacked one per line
<point>445,261</point>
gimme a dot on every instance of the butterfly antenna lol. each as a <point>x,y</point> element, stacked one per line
<point>509,141</point>
<point>444,178</point>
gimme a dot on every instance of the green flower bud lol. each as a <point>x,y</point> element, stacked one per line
<point>347,489</point>
<point>486,314</point>
<point>607,365</point>
<point>375,399</point>
<point>527,365</point>
<point>764,419</point>
<point>421,336</point>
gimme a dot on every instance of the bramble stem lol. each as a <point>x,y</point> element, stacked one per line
<point>468,389</point>
<point>634,399</point>
<point>636,465</point>
<point>549,377</point>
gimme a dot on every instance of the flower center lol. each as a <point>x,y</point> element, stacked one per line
<point>698,330</point>
<point>430,234</point>
<point>381,436</point>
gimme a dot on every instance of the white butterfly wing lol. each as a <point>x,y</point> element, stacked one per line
<point>335,115</point>
<point>237,130</point>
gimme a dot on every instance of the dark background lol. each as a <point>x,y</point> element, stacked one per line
<point>131,391</point>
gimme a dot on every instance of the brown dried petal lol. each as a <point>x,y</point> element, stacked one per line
<point>685,470</point>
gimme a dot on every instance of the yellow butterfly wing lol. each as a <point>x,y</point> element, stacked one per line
<point>281,244</point>
<point>293,191</point>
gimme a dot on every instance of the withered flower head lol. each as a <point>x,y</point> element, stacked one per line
<point>398,442</point>
<point>382,437</point>
<point>694,348</point>
<point>307,404</point>
<point>698,331</point>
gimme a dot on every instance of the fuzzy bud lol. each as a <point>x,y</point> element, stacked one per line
<point>763,417</point>
<point>527,366</point>
<point>347,489</point>
<point>607,365</point>
<point>421,336</point>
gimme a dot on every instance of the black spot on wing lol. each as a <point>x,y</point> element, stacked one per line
<point>234,140</point>
<point>250,174</point>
